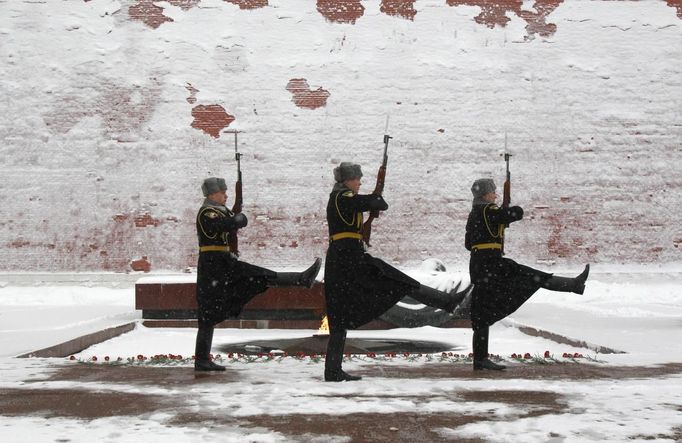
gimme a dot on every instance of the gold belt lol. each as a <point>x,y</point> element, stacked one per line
<point>214,249</point>
<point>486,246</point>
<point>341,235</point>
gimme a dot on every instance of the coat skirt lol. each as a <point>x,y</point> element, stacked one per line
<point>358,287</point>
<point>225,284</point>
<point>501,286</point>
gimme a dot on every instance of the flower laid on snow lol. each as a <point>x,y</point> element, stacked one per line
<point>231,357</point>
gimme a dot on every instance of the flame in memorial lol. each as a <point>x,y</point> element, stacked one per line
<point>324,327</point>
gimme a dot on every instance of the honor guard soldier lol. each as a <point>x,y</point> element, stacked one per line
<point>224,283</point>
<point>359,287</point>
<point>501,285</point>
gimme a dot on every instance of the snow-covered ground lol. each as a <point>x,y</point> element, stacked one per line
<point>634,310</point>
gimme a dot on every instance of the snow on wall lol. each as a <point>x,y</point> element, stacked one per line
<point>113,112</point>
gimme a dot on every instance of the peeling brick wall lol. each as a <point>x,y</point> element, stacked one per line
<point>114,112</point>
<point>211,119</point>
<point>399,8</point>
<point>304,96</point>
<point>341,11</point>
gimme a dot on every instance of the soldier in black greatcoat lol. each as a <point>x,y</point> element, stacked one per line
<point>501,285</point>
<point>224,283</point>
<point>359,287</point>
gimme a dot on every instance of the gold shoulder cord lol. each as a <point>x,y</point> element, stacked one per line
<point>338,211</point>
<point>487,226</point>
<point>202,226</point>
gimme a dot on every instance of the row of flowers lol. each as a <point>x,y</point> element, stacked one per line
<point>175,359</point>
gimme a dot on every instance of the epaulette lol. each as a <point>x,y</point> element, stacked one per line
<point>211,213</point>
<point>348,194</point>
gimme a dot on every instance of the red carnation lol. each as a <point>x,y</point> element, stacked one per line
<point>547,354</point>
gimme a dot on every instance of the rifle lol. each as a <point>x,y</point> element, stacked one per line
<point>232,239</point>
<point>506,196</point>
<point>378,189</point>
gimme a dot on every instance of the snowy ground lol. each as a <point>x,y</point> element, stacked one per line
<point>606,397</point>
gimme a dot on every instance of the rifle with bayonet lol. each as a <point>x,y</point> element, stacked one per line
<point>232,239</point>
<point>506,196</point>
<point>378,189</point>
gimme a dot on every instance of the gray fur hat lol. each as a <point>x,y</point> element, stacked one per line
<point>213,184</point>
<point>482,186</point>
<point>347,171</point>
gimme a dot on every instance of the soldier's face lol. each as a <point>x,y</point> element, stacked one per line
<point>219,197</point>
<point>353,184</point>
<point>490,197</point>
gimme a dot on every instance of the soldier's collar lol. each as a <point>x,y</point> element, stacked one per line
<point>213,204</point>
<point>340,187</point>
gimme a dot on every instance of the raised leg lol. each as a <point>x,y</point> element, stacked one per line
<point>305,278</point>
<point>567,284</point>
<point>447,301</point>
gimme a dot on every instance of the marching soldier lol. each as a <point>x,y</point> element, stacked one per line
<point>224,283</point>
<point>359,287</point>
<point>501,285</point>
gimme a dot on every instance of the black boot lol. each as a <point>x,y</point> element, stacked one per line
<point>480,345</point>
<point>463,310</point>
<point>566,284</point>
<point>447,301</point>
<point>202,359</point>
<point>305,278</point>
<point>334,357</point>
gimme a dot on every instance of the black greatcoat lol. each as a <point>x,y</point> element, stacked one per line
<point>501,285</point>
<point>224,283</point>
<point>358,287</point>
